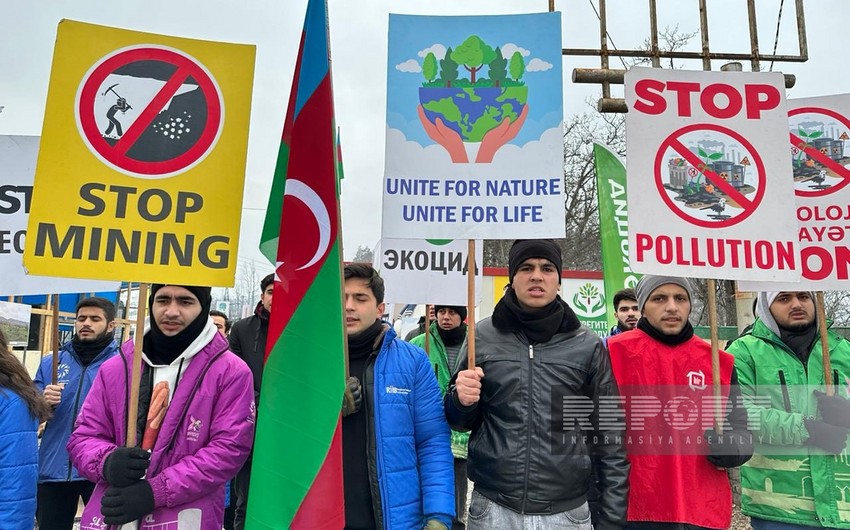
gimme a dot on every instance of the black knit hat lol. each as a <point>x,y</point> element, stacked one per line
<point>459,309</point>
<point>203,294</point>
<point>524,249</point>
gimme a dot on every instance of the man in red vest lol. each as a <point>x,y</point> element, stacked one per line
<point>678,478</point>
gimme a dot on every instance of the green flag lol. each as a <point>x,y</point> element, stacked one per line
<point>613,223</point>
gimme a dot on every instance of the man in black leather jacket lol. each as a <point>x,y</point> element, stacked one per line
<point>529,403</point>
<point>248,341</point>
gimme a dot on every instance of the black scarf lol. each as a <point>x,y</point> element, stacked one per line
<point>454,336</point>
<point>670,340</point>
<point>800,341</point>
<point>162,350</point>
<point>87,350</point>
<point>262,313</point>
<point>539,325</point>
<point>362,344</point>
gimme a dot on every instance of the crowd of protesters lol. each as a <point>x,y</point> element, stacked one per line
<point>554,426</point>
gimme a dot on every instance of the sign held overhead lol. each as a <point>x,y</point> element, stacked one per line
<point>708,175</point>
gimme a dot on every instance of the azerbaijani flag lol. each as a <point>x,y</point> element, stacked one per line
<point>296,478</point>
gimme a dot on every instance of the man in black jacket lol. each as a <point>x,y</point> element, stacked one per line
<point>530,463</point>
<point>248,341</point>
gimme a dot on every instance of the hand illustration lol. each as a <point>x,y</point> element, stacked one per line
<point>499,136</point>
<point>443,135</point>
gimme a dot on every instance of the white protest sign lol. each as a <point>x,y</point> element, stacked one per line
<point>709,175</point>
<point>474,134</point>
<point>418,271</point>
<point>18,155</point>
<point>819,130</point>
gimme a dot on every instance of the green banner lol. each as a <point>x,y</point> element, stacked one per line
<point>613,224</point>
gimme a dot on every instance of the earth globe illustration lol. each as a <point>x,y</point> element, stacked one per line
<point>472,106</point>
<point>472,111</point>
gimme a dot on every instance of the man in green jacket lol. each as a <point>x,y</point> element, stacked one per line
<point>799,476</point>
<point>446,335</point>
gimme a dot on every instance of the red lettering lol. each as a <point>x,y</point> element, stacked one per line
<point>842,258</point>
<point>650,90</point>
<point>683,95</point>
<point>756,103</point>
<point>680,252</point>
<point>757,98</point>
<point>695,253</point>
<point>664,253</point>
<point>809,272</point>
<point>785,255</point>
<point>644,243</point>
<point>708,100</point>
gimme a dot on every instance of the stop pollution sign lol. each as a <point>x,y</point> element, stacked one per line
<point>707,180</point>
<point>819,129</point>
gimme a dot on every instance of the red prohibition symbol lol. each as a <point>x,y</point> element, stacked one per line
<point>706,188</point>
<point>149,111</point>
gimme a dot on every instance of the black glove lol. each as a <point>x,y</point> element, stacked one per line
<point>353,396</point>
<point>826,436</point>
<point>126,465</point>
<point>833,409</point>
<point>125,505</point>
<point>732,449</point>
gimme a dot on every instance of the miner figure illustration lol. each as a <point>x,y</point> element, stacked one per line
<point>121,105</point>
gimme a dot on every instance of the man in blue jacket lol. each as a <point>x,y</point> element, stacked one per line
<point>60,487</point>
<point>397,459</point>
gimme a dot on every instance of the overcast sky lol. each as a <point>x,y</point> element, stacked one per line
<point>359,51</point>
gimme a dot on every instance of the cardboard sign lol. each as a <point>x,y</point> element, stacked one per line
<point>139,174</point>
<point>474,143</point>
<point>418,271</point>
<point>818,131</point>
<point>708,175</point>
<point>17,158</point>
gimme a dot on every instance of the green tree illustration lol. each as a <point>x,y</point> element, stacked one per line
<point>473,54</point>
<point>448,68</point>
<point>497,72</point>
<point>517,67</point>
<point>429,67</point>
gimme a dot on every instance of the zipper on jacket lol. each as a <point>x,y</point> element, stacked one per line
<point>835,378</point>
<point>370,426</point>
<point>528,425</point>
<point>785,397</point>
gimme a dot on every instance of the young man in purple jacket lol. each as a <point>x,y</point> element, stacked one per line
<point>204,433</point>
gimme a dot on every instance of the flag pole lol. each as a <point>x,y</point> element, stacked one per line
<point>55,339</point>
<point>136,367</point>
<point>715,355</point>
<point>824,344</point>
<point>470,305</point>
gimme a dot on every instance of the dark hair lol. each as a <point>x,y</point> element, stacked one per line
<point>217,313</point>
<point>624,294</point>
<point>102,303</point>
<point>366,272</point>
<point>265,282</point>
<point>14,376</point>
